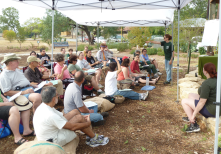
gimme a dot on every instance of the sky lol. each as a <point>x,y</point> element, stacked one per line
<point>25,11</point>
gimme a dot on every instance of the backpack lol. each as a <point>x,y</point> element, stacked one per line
<point>124,84</point>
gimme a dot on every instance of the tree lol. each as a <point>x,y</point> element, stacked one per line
<point>139,35</point>
<point>10,19</point>
<point>34,26</point>
<point>9,35</point>
<point>21,35</point>
<point>109,31</point>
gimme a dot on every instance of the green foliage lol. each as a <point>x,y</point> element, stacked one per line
<point>202,51</point>
<point>21,35</point>
<point>122,47</point>
<point>9,35</point>
<point>160,54</point>
<point>82,46</point>
<point>126,142</point>
<point>219,141</point>
<point>34,25</point>
<point>143,149</point>
<point>132,51</point>
<point>10,19</point>
<point>194,55</point>
<point>43,46</point>
<point>139,35</point>
<point>184,128</point>
<point>157,30</point>
<point>159,50</point>
<point>109,31</point>
<point>151,51</point>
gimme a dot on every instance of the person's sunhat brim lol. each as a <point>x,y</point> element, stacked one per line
<point>10,59</point>
<point>24,107</point>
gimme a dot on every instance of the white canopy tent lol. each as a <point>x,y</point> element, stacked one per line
<point>130,4</point>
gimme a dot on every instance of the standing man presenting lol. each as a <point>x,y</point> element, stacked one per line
<point>169,55</point>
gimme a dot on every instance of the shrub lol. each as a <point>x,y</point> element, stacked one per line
<point>160,54</point>
<point>132,51</point>
<point>9,35</point>
<point>194,56</point>
<point>43,46</point>
<point>202,51</point>
<point>159,50</point>
<point>151,51</point>
<point>122,47</point>
<point>81,47</point>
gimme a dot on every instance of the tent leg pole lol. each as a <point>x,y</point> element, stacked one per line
<point>98,35</point>
<point>172,61</point>
<point>218,90</point>
<point>165,29</point>
<point>178,47</point>
<point>52,38</point>
<point>76,38</point>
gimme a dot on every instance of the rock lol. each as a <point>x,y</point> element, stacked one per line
<point>192,79</point>
<point>189,84</point>
<point>114,50</point>
<point>184,92</point>
<point>192,75</point>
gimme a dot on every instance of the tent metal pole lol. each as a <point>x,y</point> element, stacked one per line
<point>165,28</point>
<point>218,89</point>
<point>98,35</point>
<point>172,61</point>
<point>52,37</point>
<point>76,38</point>
<point>178,41</point>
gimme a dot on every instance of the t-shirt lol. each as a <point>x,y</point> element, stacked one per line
<point>33,76</point>
<point>167,47</point>
<point>111,83</point>
<point>134,66</point>
<point>101,55</point>
<point>45,56</point>
<point>58,69</point>
<point>83,64</point>
<point>1,99</point>
<point>90,60</point>
<point>73,98</point>
<point>72,67</point>
<point>145,57</point>
<point>9,80</point>
<point>47,122</point>
<point>208,91</point>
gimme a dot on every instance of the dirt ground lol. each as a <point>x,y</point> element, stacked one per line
<point>153,126</point>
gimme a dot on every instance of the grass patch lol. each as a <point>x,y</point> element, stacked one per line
<point>148,111</point>
<point>143,149</point>
<point>132,51</point>
<point>82,46</point>
<point>194,56</point>
<point>184,128</point>
<point>126,142</point>
<point>151,51</point>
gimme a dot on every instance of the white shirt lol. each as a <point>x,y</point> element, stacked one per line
<point>83,64</point>
<point>47,122</point>
<point>111,83</point>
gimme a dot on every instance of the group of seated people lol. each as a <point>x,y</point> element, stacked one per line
<point>57,127</point>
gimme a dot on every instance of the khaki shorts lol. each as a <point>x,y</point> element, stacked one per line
<point>64,136</point>
<point>88,78</point>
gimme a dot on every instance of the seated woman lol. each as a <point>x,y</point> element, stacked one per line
<point>60,69</point>
<point>125,73</point>
<point>135,71</point>
<point>42,69</point>
<point>73,68</point>
<point>11,113</point>
<point>203,101</point>
<point>70,52</point>
<point>90,59</point>
<point>84,65</point>
<point>147,61</point>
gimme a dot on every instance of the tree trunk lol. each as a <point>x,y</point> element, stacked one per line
<point>35,36</point>
<point>88,35</point>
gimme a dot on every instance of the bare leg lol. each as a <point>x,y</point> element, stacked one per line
<point>25,115</point>
<point>144,81</point>
<point>80,119</point>
<point>98,75</point>
<point>71,114</point>
<point>94,83</point>
<point>155,64</point>
<point>194,96</point>
<point>188,106</point>
<point>35,98</point>
<point>13,120</point>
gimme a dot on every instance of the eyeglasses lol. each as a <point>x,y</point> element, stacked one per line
<point>75,60</point>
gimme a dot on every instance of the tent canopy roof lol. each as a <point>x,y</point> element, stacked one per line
<point>118,18</point>
<point>107,4</point>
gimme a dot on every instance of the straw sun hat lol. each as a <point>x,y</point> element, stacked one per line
<point>10,57</point>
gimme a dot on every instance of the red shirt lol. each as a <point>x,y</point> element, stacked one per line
<point>134,66</point>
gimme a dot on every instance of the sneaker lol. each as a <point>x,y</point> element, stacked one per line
<point>97,140</point>
<point>145,95</point>
<point>84,96</point>
<point>166,82</point>
<point>193,128</point>
<point>100,91</point>
<point>105,114</point>
<point>158,73</point>
<point>99,123</point>
<point>155,76</point>
<point>93,95</point>
<point>186,119</point>
<point>158,70</point>
<point>100,86</point>
<point>136,84</point>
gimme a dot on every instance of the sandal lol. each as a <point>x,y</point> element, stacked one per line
<point>158,79</point>
<point>21,141</point>
<point>31,134</point>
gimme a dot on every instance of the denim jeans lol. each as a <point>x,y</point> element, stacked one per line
<point>128,94</point>
<point>168,69</point>
<point>94,117</point>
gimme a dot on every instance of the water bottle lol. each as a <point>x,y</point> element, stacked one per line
<point>147,81</point>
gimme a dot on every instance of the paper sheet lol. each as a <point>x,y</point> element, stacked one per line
<point>89,104</point>
<point>90,71</point>
<point>40,85</point>
<point>54,82</point>
<point>15,96</point>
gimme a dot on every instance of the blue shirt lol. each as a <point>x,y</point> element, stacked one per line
<point>145,57</point>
